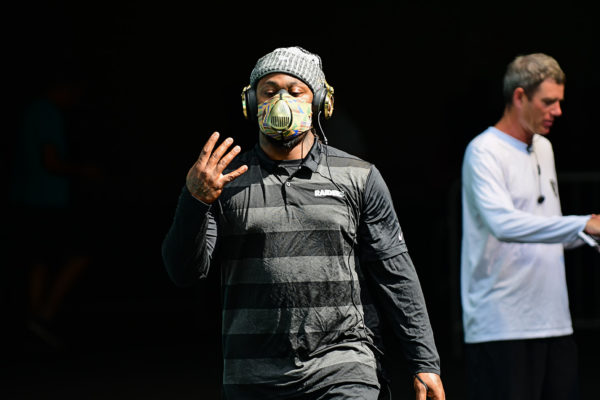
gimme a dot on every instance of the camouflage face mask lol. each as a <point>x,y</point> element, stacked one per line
<point>284,117</point>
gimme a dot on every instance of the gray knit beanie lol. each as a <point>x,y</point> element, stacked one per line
<point>294,61</point>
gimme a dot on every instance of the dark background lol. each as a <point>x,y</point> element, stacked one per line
<point>417,82</point>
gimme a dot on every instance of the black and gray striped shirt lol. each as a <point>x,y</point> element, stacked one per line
<point>311,255</point>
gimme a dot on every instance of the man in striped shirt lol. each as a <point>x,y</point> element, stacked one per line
<point>310,248</point>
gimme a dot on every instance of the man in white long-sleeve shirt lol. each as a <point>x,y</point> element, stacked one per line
<point>518,329</point>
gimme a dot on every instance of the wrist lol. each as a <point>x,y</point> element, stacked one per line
<point>592,226</point>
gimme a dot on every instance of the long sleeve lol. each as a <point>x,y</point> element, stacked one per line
<point>190,242</point>
<point>513,283</point>
<point>387,264</point>
<point>399,293</point>
<point>490,191</point>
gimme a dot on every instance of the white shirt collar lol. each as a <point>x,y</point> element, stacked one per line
<point>505,137</point>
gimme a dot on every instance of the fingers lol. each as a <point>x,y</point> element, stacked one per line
<point>217,155</point>
<point>214,160</point>
<point>207,149</point>
<point>428,384</point>
<point>205,179</point>
<point>230,177</point>
<point>420,389</point>
<point>226,159</point>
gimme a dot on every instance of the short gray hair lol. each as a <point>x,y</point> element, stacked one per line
<point>528,72</point>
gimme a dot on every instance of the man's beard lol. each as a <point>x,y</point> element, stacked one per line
<point>290,143</point>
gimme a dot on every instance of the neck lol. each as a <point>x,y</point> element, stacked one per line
<point>510,124</point>
<point>280,153</point>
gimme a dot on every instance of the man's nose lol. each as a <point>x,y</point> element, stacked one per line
<point>556,111</point>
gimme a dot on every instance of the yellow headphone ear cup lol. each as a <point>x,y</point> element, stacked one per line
<point>245,101</point>
<point>328,102</point>
<point>323,101</point>
<point>249,106</point>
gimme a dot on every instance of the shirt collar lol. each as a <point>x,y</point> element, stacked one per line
<point>310,161</point>
<point>505,137</point>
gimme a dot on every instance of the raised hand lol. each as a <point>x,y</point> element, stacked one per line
<point>205,180</point>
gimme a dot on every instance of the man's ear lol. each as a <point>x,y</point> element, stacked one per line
<point>518,97</point>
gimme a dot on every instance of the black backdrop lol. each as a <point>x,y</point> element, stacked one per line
<point>416,82</point>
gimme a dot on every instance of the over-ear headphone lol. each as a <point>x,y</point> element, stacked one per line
<point>322,102</point>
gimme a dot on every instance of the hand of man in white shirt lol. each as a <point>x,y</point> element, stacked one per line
<point>593,225</point>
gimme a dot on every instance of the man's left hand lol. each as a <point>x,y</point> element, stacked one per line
<point>434,389</point>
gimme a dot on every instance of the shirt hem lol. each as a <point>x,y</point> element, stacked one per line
<point>521,335</point>
<point>339,381</point>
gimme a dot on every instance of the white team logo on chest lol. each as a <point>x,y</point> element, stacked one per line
<point>328,193</point>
